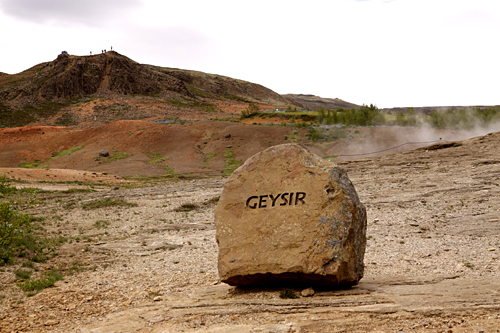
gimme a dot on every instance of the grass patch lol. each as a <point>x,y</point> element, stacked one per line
<point>5,187</point>
<point>68,151</point>
<point>37,164</point>
<point>101,224</point>
<point>209,157</point>
<point>50,278</point>
<point>32,165</point>
<point>20,237</point>
<point>230,163</point>
<point>117,156</point>
<point>21,117</point>
<point>155,158</point>
<point>108,202</point>
<point>207,160</point>
<point>22,274</point>
<point>168,170</point>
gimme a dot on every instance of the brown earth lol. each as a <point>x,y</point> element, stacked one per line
<point>431,261</point>
<point>194,148</point>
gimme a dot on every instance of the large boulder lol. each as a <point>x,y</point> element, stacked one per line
<point>286,215</point>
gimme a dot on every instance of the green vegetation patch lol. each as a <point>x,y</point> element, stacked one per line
<point>21,117</point>
<point>68,151</point>
<point>101,224</point>
<point>207,160</point>
<point>230,163</point>
<point>5,187</point>
<point>108,202</point>
<point>37,164</point>
<point>21,238</point>
<point>65,120</point>
<point>155,158</point>
<point>46,281</point>
<point>209,157</point>
<point>117,156</point>
<point>32,165</point>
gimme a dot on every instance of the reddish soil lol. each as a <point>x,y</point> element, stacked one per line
<point>197,147</point>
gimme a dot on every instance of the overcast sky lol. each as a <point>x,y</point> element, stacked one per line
<point>386,52</point>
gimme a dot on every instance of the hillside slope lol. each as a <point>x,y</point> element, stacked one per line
<point>314,102</point>
<point>109,78</point>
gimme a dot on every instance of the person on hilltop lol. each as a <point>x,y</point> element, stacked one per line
<point>111,48</point>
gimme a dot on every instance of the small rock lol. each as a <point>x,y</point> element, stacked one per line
<point>71,306</point>
<point>157,298</point>
<point>104,153</point>
<point>229,146</point>
<point>307,292</point>
<point>51,322</point>
<point>491,249</point>
<point>227,136</point>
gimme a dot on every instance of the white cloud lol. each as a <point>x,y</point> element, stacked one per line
<point>67,13</point>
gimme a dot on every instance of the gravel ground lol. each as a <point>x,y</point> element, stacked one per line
<point>431,261</point>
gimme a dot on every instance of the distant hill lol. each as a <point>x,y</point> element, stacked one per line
<point>43,90</point>
<point>314,102</point>
<point>80,76</point>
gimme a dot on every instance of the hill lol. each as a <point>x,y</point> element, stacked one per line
<point>50,89</point>
<point>314,102</point>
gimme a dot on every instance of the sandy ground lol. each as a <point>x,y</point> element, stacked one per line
<point>431,263</point>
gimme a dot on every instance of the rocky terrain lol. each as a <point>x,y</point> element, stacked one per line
<point>431,260</point>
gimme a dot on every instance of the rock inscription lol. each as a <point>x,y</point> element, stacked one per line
<point>286,215</point>
<point>260,201</point>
